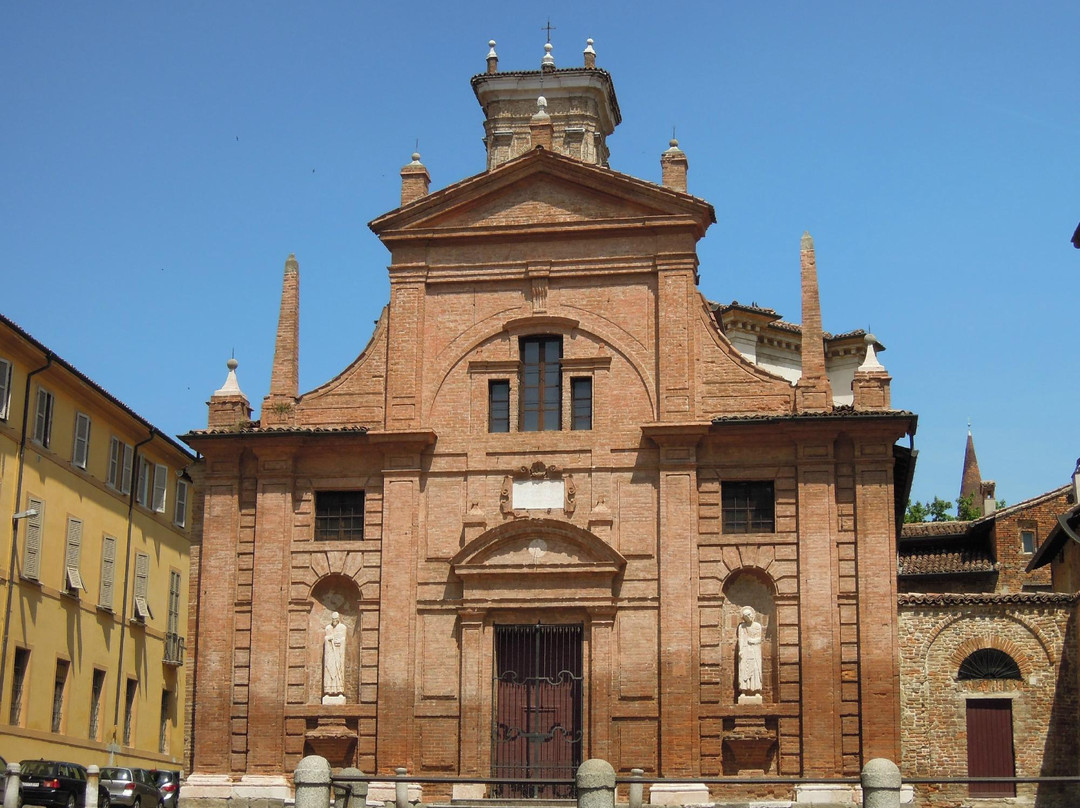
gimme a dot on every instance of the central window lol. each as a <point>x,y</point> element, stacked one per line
<point>339,515</point>
<point>748,507</point>
<point>541,383</point>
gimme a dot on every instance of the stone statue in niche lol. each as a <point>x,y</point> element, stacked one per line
<point>334,661</point>
<point>749,634</point>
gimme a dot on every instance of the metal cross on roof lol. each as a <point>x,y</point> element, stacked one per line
<point>549,28</point>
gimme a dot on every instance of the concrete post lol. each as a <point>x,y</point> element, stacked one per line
<point>312,779</point>
<point>356,791</point>
<point>636,789</point>
<point>11,788</point>
<point>881,784</point>
<point>595,784</point>
<point>93,777</point>
<point>401,788</point>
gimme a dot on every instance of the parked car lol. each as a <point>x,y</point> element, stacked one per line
<point>133,787</point>
<point>56,784</point>
<point>169,786</point>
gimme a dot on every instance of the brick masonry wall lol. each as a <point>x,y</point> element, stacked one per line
<point>936,634</point>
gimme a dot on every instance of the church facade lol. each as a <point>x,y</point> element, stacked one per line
<point>545,497</point>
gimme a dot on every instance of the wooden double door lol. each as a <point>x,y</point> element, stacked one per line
<point>537,731</point>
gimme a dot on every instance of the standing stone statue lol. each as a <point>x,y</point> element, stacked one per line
<point>749,635</point>
<point>334,658</point>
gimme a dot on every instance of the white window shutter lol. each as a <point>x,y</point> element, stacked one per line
<point>108,567</point>
<point>71,555</point>
<point>125,481</point>
<point>32,549</point>
<point>142,576</point>
<point>180,514</point>
<point>81,449</point>
<point>40,417</point>
<point>5,388</point>
<point>161,479</point>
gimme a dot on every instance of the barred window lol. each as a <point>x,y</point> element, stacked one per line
<point>988,663</point>
<point>339,516</point>
<point>748,507</point>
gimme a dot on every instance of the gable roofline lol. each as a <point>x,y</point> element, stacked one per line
<point>604,180</point>
<point>94,386</point>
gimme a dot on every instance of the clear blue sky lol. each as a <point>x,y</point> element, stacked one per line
<point>161,160</point>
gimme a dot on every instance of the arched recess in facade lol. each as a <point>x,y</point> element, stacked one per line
<point>530,571</point>
<point>934,697</point>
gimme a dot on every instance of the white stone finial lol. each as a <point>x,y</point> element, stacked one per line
<point>870,363</point>
<point>541,106</point>
<point>589,47</point>
<point>673,145</point>
<point>548,60</point>
<point>491,53</point>
<point>416,158</point>
<point>231,386</point>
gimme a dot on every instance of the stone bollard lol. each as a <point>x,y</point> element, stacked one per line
<point>312,780</point>
<point>881,784</point>
<point>93,777</point>
<point>401,788</point>
<point>11,787</point>
<point>595,784</point>
<point>637,790</point>
<point>356,791</point>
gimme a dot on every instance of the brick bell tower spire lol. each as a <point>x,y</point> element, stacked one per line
<point>812,392</point>
<point>580,101</point>
<point>279,406</point>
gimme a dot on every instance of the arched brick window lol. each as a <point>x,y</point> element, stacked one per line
<point>988,663</point>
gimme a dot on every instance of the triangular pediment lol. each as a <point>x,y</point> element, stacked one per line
<point>542,188</point>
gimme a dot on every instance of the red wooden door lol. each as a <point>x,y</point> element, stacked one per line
<point>990,746</point>
<point>537,727</point>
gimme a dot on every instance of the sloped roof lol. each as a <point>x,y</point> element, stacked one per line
<point>591,179</point>
<point>936,559</point>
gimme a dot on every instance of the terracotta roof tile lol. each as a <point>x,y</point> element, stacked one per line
<point>977,598</point>
<point>938,560</point>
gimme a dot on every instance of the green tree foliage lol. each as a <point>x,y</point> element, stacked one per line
<point>937,510</point>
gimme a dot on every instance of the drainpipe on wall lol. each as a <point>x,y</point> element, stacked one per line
<point>127,571</point>
<point>15,522</point>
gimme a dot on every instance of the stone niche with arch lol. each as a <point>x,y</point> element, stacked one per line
<point>750,730</point>
<point>334,733</point>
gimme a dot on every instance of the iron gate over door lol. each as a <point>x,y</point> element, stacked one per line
<point>536,731</point>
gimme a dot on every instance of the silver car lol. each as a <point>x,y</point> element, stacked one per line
<point>133,787</point>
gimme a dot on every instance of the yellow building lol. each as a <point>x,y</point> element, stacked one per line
<point>96,505</point>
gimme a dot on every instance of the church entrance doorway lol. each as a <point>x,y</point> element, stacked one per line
<point>537,732</point>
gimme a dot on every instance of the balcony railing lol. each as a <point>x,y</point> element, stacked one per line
<point>174,649</point>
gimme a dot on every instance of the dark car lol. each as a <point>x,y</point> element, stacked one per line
<point>130,786</point>
<point>56,784</point>
<point>169,786</point>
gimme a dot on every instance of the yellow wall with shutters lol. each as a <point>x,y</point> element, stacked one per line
<point>88,631</point>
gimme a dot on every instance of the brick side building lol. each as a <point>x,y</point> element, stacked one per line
<point>988,651</point>
<point>541,496</point>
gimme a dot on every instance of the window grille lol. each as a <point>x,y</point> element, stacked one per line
<point>129,709</point>
<point>59,686</point>
<point>988,663</point>
<point>97,686</point>
<point>498,405</point>
<point>18,685</point>
<point>339,515</point>
<point>748,506</point>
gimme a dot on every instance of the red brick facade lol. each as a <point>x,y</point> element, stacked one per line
<point>630,542</point>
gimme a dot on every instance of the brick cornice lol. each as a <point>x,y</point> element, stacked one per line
<point>989,598</point>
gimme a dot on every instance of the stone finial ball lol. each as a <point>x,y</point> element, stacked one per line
<point>491,43</point>
<point>673,143</point>
<point>232,364</point>
<point>589,42</point>
<point>547,47</point>
<point>416,157</point>
<point>869,339</point>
